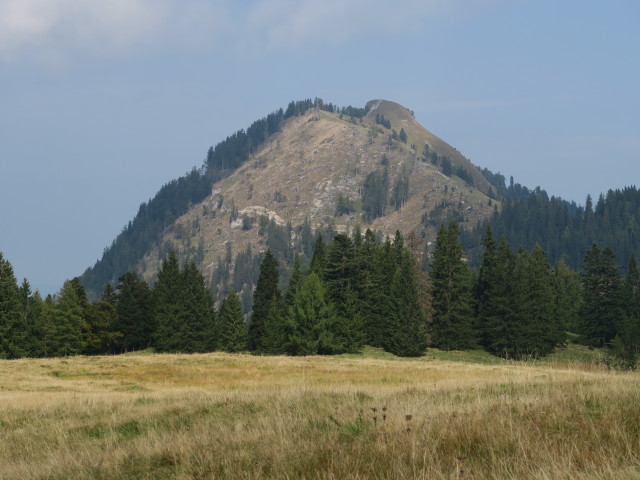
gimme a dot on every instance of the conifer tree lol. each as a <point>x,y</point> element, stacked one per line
<point>12,327</point>
<point>279,322</point>
<point>339,272</point>
<point>601,307</point>
<point>169,313</point>
<point>265,294</point>
<point>102,338</point>
<point>407,329</point>
<point>134,319</point>
<point>348,327</point>
<point>109,294</point>
<point>452,326</point>
<point>35,325</point>
<point>197,329</point>
<point>318,260</point>
<point>498,314</point>
<point>312,317</point>
<point>67,328</point>
<point>486,280</point>
<point>567,297</point>
<point>295,280</point>
<point>541,328</point>
<point>278,328</point>
<point>376,300</point>
<point>629,330</point>
<point>233,333</point>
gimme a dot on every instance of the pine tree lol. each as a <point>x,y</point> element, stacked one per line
<point>452,326</point>
<point>266,292</point>
<point>233,333</point>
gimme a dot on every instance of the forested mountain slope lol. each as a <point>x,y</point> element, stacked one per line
<point>564,230</point>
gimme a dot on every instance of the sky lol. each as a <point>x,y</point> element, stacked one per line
<point>101,103</point>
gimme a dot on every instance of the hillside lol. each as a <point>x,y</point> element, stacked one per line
<point>317,169</point>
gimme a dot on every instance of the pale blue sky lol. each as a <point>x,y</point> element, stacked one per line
<point>103,102</point>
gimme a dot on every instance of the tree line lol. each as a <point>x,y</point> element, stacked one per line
<point>355,291</point>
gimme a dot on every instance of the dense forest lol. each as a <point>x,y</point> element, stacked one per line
<point>355,290</point>
<point>563,229</point>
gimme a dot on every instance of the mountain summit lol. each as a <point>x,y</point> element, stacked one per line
<point>311,168</point>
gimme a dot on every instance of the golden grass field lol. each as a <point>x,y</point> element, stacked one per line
<point>350,417</point>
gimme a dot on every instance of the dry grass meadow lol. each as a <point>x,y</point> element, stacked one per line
<point>351,417</point>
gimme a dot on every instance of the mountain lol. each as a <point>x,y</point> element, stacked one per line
<point>310,168</point>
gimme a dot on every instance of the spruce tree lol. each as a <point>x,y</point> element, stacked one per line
<point>233,333</point>
<point>312,316</point>
<point>196,331</point>
<point>486,279</point>
<point>277,328</point>
<point>542,330</point>
<point>134,319</point>
<point>498,310</point>
<point>318,260</point>
<point>101,317</point>
<point>339,273</point>
<point>567,297</point>
<point>629,330</point>
<point>279,322</point>
<point>407,329</point>
<point>12,326</point>
<point>169,312</point>
<point>265,293</point>
<point>601,308</point>
<point>67,327</point>
<point>452,326</point>
<point>365,288</point>
<point>378,298</point>
<point>35,326</point>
